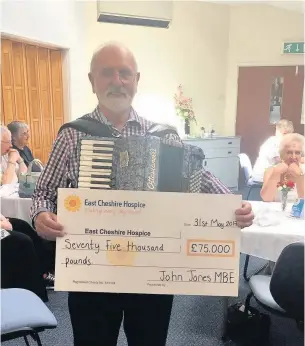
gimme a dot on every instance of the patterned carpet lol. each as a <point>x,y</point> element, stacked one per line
<point>195,321</point>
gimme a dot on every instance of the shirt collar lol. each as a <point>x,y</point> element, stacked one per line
<point>133,117</point>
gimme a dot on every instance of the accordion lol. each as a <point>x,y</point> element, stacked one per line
<point>143,163</point>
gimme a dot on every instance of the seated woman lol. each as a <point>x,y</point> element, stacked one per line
<point>11,162</point>
<point>291,168</point>
<point>20,138</point>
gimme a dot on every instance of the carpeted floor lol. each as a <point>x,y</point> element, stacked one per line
<point>195,321</point>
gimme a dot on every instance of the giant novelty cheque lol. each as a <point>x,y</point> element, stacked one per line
<point>137,224</point>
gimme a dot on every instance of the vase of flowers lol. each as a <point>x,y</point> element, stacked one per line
<point>284,187</point>
<point>184,109</point>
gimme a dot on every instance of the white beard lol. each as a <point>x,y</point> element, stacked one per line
<point>116,104</point>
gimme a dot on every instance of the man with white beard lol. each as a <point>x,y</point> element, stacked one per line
<point>96,317</point>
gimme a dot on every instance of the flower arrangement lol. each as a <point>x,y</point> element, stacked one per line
<point>285,186</point>
<point>184,105</point>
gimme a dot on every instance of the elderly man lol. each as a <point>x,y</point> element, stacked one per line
<point>269,152</point>
<point>96,317</point>
<point>11,162</point>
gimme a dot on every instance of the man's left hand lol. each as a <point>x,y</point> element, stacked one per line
<point>244,215</point>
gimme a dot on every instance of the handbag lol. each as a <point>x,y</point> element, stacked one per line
<point>28,180</point>
<point>250,329</point>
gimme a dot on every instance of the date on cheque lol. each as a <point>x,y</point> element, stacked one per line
<point>215,248</point>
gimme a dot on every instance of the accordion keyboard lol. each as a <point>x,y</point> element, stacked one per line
<point>95,164</point>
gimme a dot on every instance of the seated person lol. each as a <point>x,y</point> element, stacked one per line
<point>20,138</point>
<point>269,151</point>
<point>43,252</point>
<point>19,262</point>
<point>11,162</point>
<point>290,168</point>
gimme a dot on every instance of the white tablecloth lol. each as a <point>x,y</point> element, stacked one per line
<point>14,206</point>
<point>268,242</point>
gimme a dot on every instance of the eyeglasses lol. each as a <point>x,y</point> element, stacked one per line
<point>125,75</point>
<point>6,142</point>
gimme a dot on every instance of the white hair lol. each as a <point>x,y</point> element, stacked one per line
<point>4,130</point>
<point>112,44</point>
<point>290,138</point>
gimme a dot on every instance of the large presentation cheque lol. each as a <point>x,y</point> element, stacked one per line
<point>147,242</point>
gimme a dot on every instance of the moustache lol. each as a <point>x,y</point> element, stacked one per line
<point>116,90</point>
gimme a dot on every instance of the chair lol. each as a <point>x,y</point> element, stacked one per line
<point>253,188</point>
<point>23,314</point>
<point>287,285</point>
<point>252,194</point>
<point>282,293</point>
<point>246,167</point>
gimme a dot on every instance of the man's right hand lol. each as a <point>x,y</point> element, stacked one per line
<point>47,226</point>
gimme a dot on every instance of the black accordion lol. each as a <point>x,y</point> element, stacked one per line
<point>143,163</point>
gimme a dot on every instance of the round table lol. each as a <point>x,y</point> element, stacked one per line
<point>268,241</point>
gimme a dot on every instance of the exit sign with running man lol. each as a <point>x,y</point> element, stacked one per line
<point>293,48</point>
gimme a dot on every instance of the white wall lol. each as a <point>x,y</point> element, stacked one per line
<point>202,50</point>
<point>192,52</point>
<point>58,23</point>
<point>257,33</point>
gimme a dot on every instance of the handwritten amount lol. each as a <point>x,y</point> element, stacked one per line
<point>109,246</point>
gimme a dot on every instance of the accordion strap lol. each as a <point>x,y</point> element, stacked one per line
<point>90,126</point>
<point>161,130</point>
<point>94,127</point>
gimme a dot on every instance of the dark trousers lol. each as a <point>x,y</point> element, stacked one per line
<point>96,318</point>
<point>45,249</point>
<point>20,265</point>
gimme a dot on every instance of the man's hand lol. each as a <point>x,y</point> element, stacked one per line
<point>294,170</point>
<point>13,156</point>
<point>244,215</point>
<point>47,226</point>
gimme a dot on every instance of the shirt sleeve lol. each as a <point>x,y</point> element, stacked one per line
<point>269,151</point>
<point>52,177</point>
<point>211,184</point>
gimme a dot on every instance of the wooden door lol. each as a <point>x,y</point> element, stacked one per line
<point>32,91</point>
<point>253,122</point>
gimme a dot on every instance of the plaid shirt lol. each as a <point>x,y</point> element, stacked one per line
<point>61,170</point>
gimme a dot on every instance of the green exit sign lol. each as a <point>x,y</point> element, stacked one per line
<point>293,48</point>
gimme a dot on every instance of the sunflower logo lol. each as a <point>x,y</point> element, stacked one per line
<point>73,203</point>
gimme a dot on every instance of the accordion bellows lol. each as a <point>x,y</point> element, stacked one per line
<point>143,163</point>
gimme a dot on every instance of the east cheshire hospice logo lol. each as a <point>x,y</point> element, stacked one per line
<point>73,203</point>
